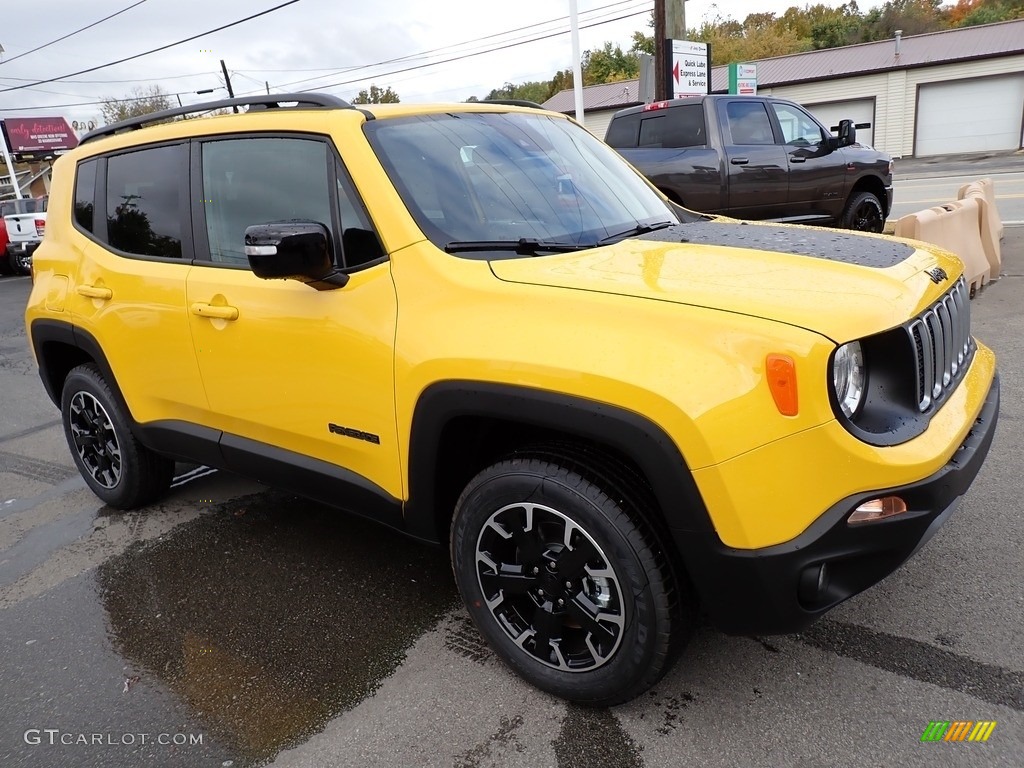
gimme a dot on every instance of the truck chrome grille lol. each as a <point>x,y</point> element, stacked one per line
<point>941,336</point>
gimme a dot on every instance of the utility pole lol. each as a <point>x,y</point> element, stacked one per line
<point>670,23</point>
<point>227,82</point>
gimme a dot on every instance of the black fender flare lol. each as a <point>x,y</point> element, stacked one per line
<point>626,431</point>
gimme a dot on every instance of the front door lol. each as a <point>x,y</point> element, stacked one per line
<point>293,374</point>
<point>817,171</point>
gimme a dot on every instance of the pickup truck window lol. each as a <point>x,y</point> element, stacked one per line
<point>748,123</point>
<point>797,126</point>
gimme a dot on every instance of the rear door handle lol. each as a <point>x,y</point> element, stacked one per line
<point>94,292</point>
<point>209,310</point>
<point>798,159</point>
<point>739,161</point>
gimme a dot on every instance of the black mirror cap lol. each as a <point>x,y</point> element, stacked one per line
<point>293,250</point>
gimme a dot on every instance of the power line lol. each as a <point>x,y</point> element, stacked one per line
<point>518,41</point>
<point>131,80</point>
<point>471,55</point>
<point>154,50</point>
<point>71,34</point>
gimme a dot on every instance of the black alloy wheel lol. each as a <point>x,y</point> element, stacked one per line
<point>864,213</point>
<point>564,579</point>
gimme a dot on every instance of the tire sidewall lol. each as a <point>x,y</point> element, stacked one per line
<point>855,203</point>
<point>631,660</point>
<point>85,379</point>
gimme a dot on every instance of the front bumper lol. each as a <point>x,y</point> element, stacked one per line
<point>775,589</point>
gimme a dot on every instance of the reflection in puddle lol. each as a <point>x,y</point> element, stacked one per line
<point>272,614</point>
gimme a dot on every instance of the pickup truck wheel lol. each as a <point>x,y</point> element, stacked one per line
<point>118,469</point>
<point>864,213</point>
<point>565,586</point>
<point>21,263</point>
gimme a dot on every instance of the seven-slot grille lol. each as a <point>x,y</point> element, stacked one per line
<point>942,340</point>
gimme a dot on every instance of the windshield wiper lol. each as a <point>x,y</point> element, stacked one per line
<point>640,229</point>
<point>529,246</point>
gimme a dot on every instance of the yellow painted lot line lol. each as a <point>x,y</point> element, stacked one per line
<point>947,200</point>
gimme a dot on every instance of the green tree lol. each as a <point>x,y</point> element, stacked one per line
<point>609,64</point>
<point>376,95</point>
<point>140,101</point>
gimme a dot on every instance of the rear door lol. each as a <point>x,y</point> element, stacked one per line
<point>817,172</point>
<point>756,165</point>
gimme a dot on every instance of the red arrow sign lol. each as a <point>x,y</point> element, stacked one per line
<point>675,71</point>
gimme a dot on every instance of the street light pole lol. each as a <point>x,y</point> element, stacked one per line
<point>577,68</point>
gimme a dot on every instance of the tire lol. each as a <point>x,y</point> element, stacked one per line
<point>6,263</point>
<point>569,589</point>
<point>121,471</point>
<point>21,263</point>
<point>863,213</point>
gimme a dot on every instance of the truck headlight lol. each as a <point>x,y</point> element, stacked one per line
<point>848,377</point>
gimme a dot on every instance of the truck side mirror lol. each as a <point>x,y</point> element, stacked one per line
<point>847,133</point>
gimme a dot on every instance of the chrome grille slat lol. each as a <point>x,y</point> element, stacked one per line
<point>941,338</point>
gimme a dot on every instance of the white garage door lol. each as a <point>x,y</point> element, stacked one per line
<point>974,115</point>
<point>858,110</point>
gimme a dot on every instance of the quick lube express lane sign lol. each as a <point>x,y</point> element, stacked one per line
<point>690,74</point>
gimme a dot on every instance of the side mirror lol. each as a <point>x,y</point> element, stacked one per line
<point>293,250</point>
<point>847,133</point>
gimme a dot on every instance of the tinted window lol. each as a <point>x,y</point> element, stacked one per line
<point>622,131</point>
<point>506,176</point>
<point>85,193</point>
<point>798,127</point>
<point>144,211</point>
<point>260,180</point>
<point>685,127</point>
<point>652,130</point>
<point>748,123</point>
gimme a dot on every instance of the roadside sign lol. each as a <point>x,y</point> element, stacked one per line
<point>689,73</point>
<point>38,136</point>
<point>743,79</point>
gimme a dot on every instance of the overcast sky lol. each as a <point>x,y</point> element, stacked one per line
<point>338,46</point>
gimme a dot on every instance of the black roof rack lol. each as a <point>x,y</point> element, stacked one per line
<point>513,103</point>
<point>275,101</point>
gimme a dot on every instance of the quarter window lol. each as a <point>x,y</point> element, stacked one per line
<point>144,206</point>
<point>260,180</point>
<point>85,195</point>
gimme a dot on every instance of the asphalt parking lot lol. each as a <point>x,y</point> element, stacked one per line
<point>231,625</point>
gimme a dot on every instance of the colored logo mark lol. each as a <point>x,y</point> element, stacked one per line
<point>958,730</point>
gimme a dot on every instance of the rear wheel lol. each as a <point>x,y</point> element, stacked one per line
<point>568,588</point>
<point>120,470</point>
<point>21,262</point>
<point>864,213</point>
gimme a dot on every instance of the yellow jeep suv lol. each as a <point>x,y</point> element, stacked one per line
<point>477,324</point>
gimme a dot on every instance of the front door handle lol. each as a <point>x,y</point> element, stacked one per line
<point>739,161</point>
<point>209,310</point>
<point>798,159</point>
<point>95,292</point>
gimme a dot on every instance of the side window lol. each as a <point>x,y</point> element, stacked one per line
<point>622,132</point>
<point>358,240</point>
<point>685,126</point>
<point>797,126</point>
<point>85,194</point>
<point>144,205</point>
<point>652,131</point>
<point>259,180</point>
<point>748,123</point>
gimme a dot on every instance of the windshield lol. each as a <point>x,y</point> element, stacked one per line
<point>489,176</point>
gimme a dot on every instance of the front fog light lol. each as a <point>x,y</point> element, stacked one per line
<point>848,377</point>
<point>878,509</point>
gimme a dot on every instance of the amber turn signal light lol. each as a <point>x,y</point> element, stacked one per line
<point>878,509</point>
<point>781,372</point>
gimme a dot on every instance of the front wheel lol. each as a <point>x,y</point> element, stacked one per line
<point>864,213</point>
<point>120,470</point>
<point>566,586</point>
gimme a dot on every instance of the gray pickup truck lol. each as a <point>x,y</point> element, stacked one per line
<point>755,157</point>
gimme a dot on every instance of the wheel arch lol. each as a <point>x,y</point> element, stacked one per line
<point>460,427</point>
<point>872,184</point>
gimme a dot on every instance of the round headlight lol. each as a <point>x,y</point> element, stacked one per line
<point>848,377</point>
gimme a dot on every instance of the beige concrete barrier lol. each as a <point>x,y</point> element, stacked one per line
<point>984,188</point>
<point>991,225</point>
<point>956,228</point>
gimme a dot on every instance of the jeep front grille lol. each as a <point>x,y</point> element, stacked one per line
<point>941,336</point>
